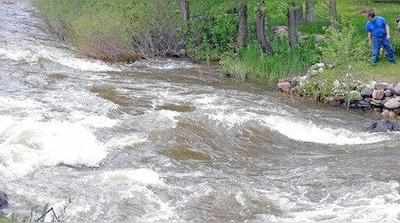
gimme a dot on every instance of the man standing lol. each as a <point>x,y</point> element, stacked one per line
<point>379,37</point>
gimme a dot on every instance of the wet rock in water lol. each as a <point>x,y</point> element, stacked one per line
<point>383,126</point>
<point>367,92</point>
<point>176,108</point>
<point>393,103</point>
<point>186,154</point>
<point>3,200</point>
<point>378,94</point>
<point>285,86</point>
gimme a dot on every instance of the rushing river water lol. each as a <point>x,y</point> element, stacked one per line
<point>170,141</point>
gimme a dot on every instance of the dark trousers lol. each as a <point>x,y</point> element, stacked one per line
<point>377,45</point>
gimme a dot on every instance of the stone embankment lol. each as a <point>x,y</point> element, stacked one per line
<point>380,97</point>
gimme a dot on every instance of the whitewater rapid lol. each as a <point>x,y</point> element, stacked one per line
<point>172,141</point>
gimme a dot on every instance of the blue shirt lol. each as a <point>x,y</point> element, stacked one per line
<point>377,27</point>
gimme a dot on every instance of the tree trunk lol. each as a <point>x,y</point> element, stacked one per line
<point>293,26</point>
<point>262,36</point>
<point>310,11</point>
<point>185,11</point>
<point>243,24</point>
<point>333,13</point>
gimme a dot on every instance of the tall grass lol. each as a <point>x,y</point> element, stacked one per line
<point>252,64</point>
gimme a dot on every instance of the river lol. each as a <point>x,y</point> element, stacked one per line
<point>170,141</point>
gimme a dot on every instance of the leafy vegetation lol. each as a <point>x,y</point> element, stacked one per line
<point>125,30</point>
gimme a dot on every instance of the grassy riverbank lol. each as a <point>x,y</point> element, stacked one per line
<point>126,30</point>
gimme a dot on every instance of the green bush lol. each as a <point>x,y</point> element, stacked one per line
<point>343,47</point>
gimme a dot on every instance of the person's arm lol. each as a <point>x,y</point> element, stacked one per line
<point>370,38</point>
<point>387,31</point>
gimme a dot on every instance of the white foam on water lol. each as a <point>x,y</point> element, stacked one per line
<point>32,54</point>
<point>141,176</point>
<point>29,144</point>
<point>129,140</point>
<point>299,130</point>
<point>91,120</point>
<point>375,202</point>
<point>164,64</point>
<point>307,131</point>
<point>18,55</point>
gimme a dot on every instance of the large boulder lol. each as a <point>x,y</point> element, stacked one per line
<point>378,94</point>
<point>396,89</point>
<point>3,200</point>
<point>383,126</point>
<point>393,103</point>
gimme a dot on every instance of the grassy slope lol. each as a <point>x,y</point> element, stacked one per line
<point>351,11</point>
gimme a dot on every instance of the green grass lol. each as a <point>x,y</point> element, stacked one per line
<point>252,64</point>
<point>351,12</point>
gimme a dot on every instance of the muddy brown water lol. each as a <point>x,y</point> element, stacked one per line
<point>171,141</point>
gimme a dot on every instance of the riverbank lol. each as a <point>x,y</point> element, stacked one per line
<point>349,93</point>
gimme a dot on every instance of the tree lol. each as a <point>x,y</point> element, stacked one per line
<point>185,11</point>
<point>262,37</point>
<point>310,11</point>
<point>333,13</point>
<point>243,24</point>
<point>293,25</point>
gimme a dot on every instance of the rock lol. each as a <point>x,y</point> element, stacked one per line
<point>383,126</point>
<point>285,86</point>
<point>396,89</point>
<point>354,96</point>
<point>335,101</point>
<point>3,200</point>
<point>363,104</point>
<point>381,86</point>
<point>378,94</point>
<point>367,92</point>
<point>280,31</point>
<point>397,111</point>
<point>393,103</point>
<point>388,93</point>
<point>377,103</point>
<point>321,70</point>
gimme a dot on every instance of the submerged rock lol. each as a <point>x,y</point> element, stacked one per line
<point>383,126</point>
<point>186,154</point>
<point>3,200</point>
